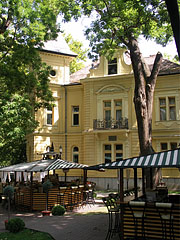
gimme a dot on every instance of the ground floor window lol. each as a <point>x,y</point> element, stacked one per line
<point>75,154</point>
<point>113,152</point>
<point>168,146</point>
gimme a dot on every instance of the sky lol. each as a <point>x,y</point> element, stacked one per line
<point>147,47</point>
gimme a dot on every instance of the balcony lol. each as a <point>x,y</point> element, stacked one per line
<point>110,124</point>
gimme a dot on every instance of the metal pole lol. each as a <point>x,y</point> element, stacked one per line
<point>135,182</point>
<point>121,185</point>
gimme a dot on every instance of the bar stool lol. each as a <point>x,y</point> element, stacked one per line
<point>114,217</point>
<point>61,196</point>
<point>165,214</point>
<point>71,198</point>
<point>80,195</point>
<point>138,212</point>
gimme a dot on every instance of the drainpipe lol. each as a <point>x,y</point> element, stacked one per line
<point>65,122</point>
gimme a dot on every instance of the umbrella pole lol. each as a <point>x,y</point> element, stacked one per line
<point>121,179</point>
<point>85,176</point>
<point>31,193</point>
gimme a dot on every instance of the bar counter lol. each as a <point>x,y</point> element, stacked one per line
<point>34,199</point>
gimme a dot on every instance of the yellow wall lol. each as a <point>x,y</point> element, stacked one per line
<point>89,95</point>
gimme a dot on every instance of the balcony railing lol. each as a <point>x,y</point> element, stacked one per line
<point>110,124</point>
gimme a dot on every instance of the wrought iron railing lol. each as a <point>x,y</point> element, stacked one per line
<point>110,124</point>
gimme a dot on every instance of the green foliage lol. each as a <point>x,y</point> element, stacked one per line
<point>58,210</point>
<point>9,191</point>
<point>24,79</point>
<point>47,185</point>
<point>15,225</point>
<point>119,21</point>
<point>27,234</point>
<point>76,47</point>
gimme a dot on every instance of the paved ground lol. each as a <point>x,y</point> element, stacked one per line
<point>88,223</point>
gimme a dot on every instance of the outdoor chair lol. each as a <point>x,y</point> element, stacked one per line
<point>114,217</point>
<point>165,214</point>
<point>138,213</point>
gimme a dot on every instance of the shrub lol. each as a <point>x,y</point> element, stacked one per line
<point>9,191</point>
<point>58,210</point>
<point>15,225</point>
<point>47,186</point>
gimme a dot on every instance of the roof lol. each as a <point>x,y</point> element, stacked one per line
<point>167,67</point>
<point>60,164</point>
<point>58,46</point>
<point>167,159</point>
<point>42,165</point>
<point>35,166</point>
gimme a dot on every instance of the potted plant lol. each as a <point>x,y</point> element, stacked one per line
<point>47,185</point>
<point>9,194</point>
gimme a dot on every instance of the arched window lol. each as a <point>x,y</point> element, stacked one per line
<point>75,154</point>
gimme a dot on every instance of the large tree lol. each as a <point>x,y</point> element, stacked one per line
<point>119,23</point>
<point>24,26</point>
<point>77,47</point>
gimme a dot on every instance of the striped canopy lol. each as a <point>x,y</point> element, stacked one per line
<point>41,166</point>
<point>35,166</point>
<point>156,160</point>
<point>61,164</point>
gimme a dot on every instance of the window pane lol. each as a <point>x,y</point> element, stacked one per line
<point>75,109</point>
<point>118,103</point>
<point>162,113</point>
<point>49,118</point>
<point>119,156</point>
<point>107,147</point>
<point>76,119</point>
<point>173,146</point>
<point>162,101</point>
<point>75,149</point>
<point>107,114</point>
<point>119,147</point>
<point>107,104</point>
<point>112,66</point>
<point>172,113</point>
<point>75,158</point>
<point>171,101</point>
<point>107,157</point>
<point>118,114</point>
<point>164,146</point>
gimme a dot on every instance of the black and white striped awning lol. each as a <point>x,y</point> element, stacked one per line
<point>42,165</point>
<point>156,160</point>
<point>61,164</point>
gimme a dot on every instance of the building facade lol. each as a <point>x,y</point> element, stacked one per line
<point>94,118</point>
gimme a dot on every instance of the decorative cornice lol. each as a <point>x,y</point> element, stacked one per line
<point>111,88</point>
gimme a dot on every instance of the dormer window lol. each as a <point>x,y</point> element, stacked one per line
<point>112,66</point>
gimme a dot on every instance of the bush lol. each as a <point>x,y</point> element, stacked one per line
<point>15,225</point>
<point>58,210</point>
<point>9,191</point>
<point>47,186</point>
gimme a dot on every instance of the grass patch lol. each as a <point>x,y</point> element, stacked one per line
<point>28,234</point>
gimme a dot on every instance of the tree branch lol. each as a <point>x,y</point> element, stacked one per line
<point>156,69</point>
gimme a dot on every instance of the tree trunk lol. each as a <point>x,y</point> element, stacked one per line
<point>145,82</point>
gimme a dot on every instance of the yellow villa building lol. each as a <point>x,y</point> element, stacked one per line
<point>94,118</point>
